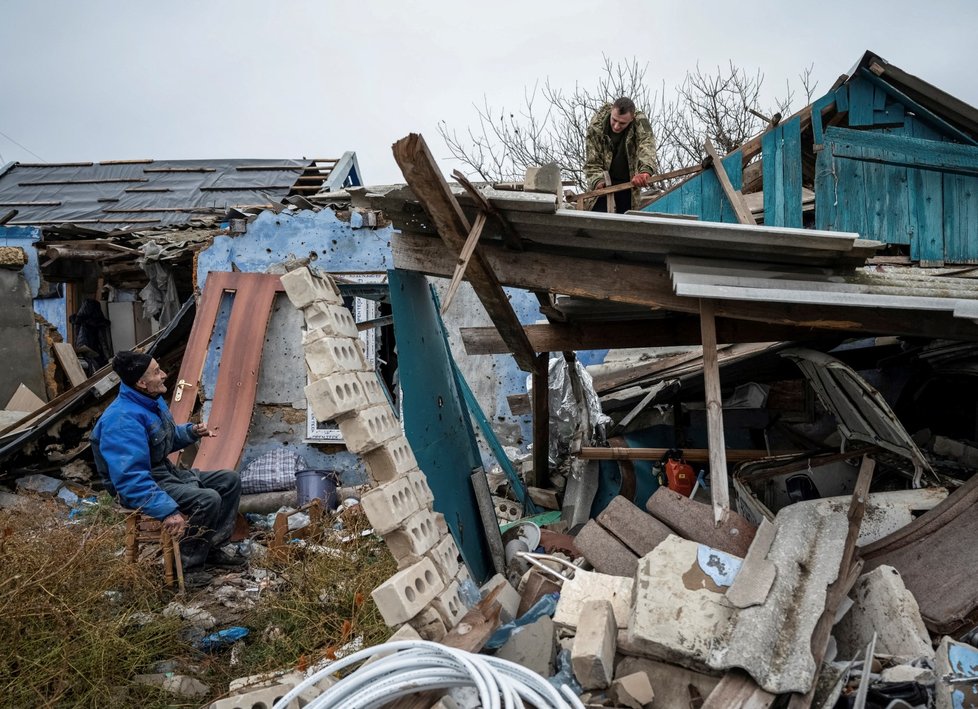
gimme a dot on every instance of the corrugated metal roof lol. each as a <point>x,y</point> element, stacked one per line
<point>114,195</point>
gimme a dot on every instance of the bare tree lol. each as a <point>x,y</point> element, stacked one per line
<point>552,123</point>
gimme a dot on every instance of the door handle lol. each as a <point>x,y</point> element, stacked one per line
<point>178,394</point>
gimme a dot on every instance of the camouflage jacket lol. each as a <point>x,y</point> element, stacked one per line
<point>639,144</point>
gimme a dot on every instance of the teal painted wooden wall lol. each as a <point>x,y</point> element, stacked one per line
<point>702,195</point>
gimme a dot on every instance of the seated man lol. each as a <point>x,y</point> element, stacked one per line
<point>131,442</point>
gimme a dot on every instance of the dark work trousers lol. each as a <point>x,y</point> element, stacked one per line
<point>210,502</point>
<point>623,202</point>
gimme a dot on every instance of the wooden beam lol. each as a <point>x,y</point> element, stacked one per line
<point>541,421</point>
<point>510,237</point>
<point>744,215</point>
<point>422,176</point>
<point>695,455</point>
<point>69,363</point>
<point>719,490</point>
<point>650,285</point>
<point>463,260</point>
<point>651,332</point>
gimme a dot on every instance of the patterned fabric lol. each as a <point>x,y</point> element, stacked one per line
<point>639,143</point>
<point>272,471</point>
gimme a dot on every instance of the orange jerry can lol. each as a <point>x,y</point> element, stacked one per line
<point>680,476</point>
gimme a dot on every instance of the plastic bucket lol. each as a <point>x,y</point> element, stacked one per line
<point>310,484</point>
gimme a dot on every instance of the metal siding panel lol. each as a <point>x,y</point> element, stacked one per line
<point>925,194</point>
<point>960,218</point>
<point>436,420</point>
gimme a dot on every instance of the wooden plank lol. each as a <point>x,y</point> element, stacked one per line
<point>772,171</point>
<point>826,206</point>
<point>541,421</point>
<point>463,260</point>
<point>791,160</point>
<point>510,237</point>
<point>694,455</point>
<point>960,218</point>
<point>903,150</point>
<point>925,194</point>
<point>651,286</point>
<point>24,400</point>
<point>68,360</point>
<point>719,490</point>
<point>658,332</point>
<point>420,172</point>
<point>736,199</point>
<point>860,103</point>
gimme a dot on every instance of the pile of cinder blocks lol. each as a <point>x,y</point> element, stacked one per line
<point>345,388</point>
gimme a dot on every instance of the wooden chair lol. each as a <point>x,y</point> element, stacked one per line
<point>141,529</point>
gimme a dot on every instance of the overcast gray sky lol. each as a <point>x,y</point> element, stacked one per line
<point>106,79</point>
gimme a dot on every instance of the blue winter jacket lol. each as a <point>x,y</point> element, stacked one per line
<point>133,436</point>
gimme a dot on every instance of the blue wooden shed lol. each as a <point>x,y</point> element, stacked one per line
<point>883,153</point>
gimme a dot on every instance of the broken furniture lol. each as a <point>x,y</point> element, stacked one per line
<point>142,529</point>
<point>282,535</point>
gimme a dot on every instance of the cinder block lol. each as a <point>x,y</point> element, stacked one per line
<point>449,605</point>
<point>507,509</point>
<point>389,505</point>
<point>604,551</point>
<point>336,396</point>
<point>419,483</point>
<point>593,653</point>
<point>463,575</point>
<point>334,354</point>
<point>370,428</point>
<point>445,554</point>
<point>637,529</point>
<point>372,388</point>
<point>441,524</point>
<point>430,625</point>
<point>592,586</point>
<point>393,459</point>
<point>304,287</point>
<point>330,320</point>
<point>406,593</point>
<point>418,534</point>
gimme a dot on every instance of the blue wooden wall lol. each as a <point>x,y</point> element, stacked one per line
<point>702,195</point>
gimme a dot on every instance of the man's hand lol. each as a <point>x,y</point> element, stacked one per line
<point>201,431</point>
<point>641,179</point>
<point>175,524</point>
<point>600,185</point>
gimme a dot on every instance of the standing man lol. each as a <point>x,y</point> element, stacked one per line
<point>620,142</point>
<point>131,442</point>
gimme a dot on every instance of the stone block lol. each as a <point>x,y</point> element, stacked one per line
<point>334,354</point>
<point>418,534</point>
<point>449,605</point>
<point>670,682</point>
<point>507,510</point>
<point>637,529</point>
<point>445,554</point>
<point>604,551</point>
<point>593,653</point>
<point>441,524</point>
<point>590,585</point>
<point>391,460</point>
<point>430,625</point>
<point>633,691</point>
<point>9,501</point>
<point>389,505</point>
<point>370,428</point>
<point>532,646</point>
<point>401,597</point>
<point>677,609</point>
<point>303,287</point>
<point>336,396</point>
<point>330,320</point>
<point>419,483</point>
<point>694,521</point>
<point>39,484</point>
<point>545,178</point>
<point>882,604</point>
